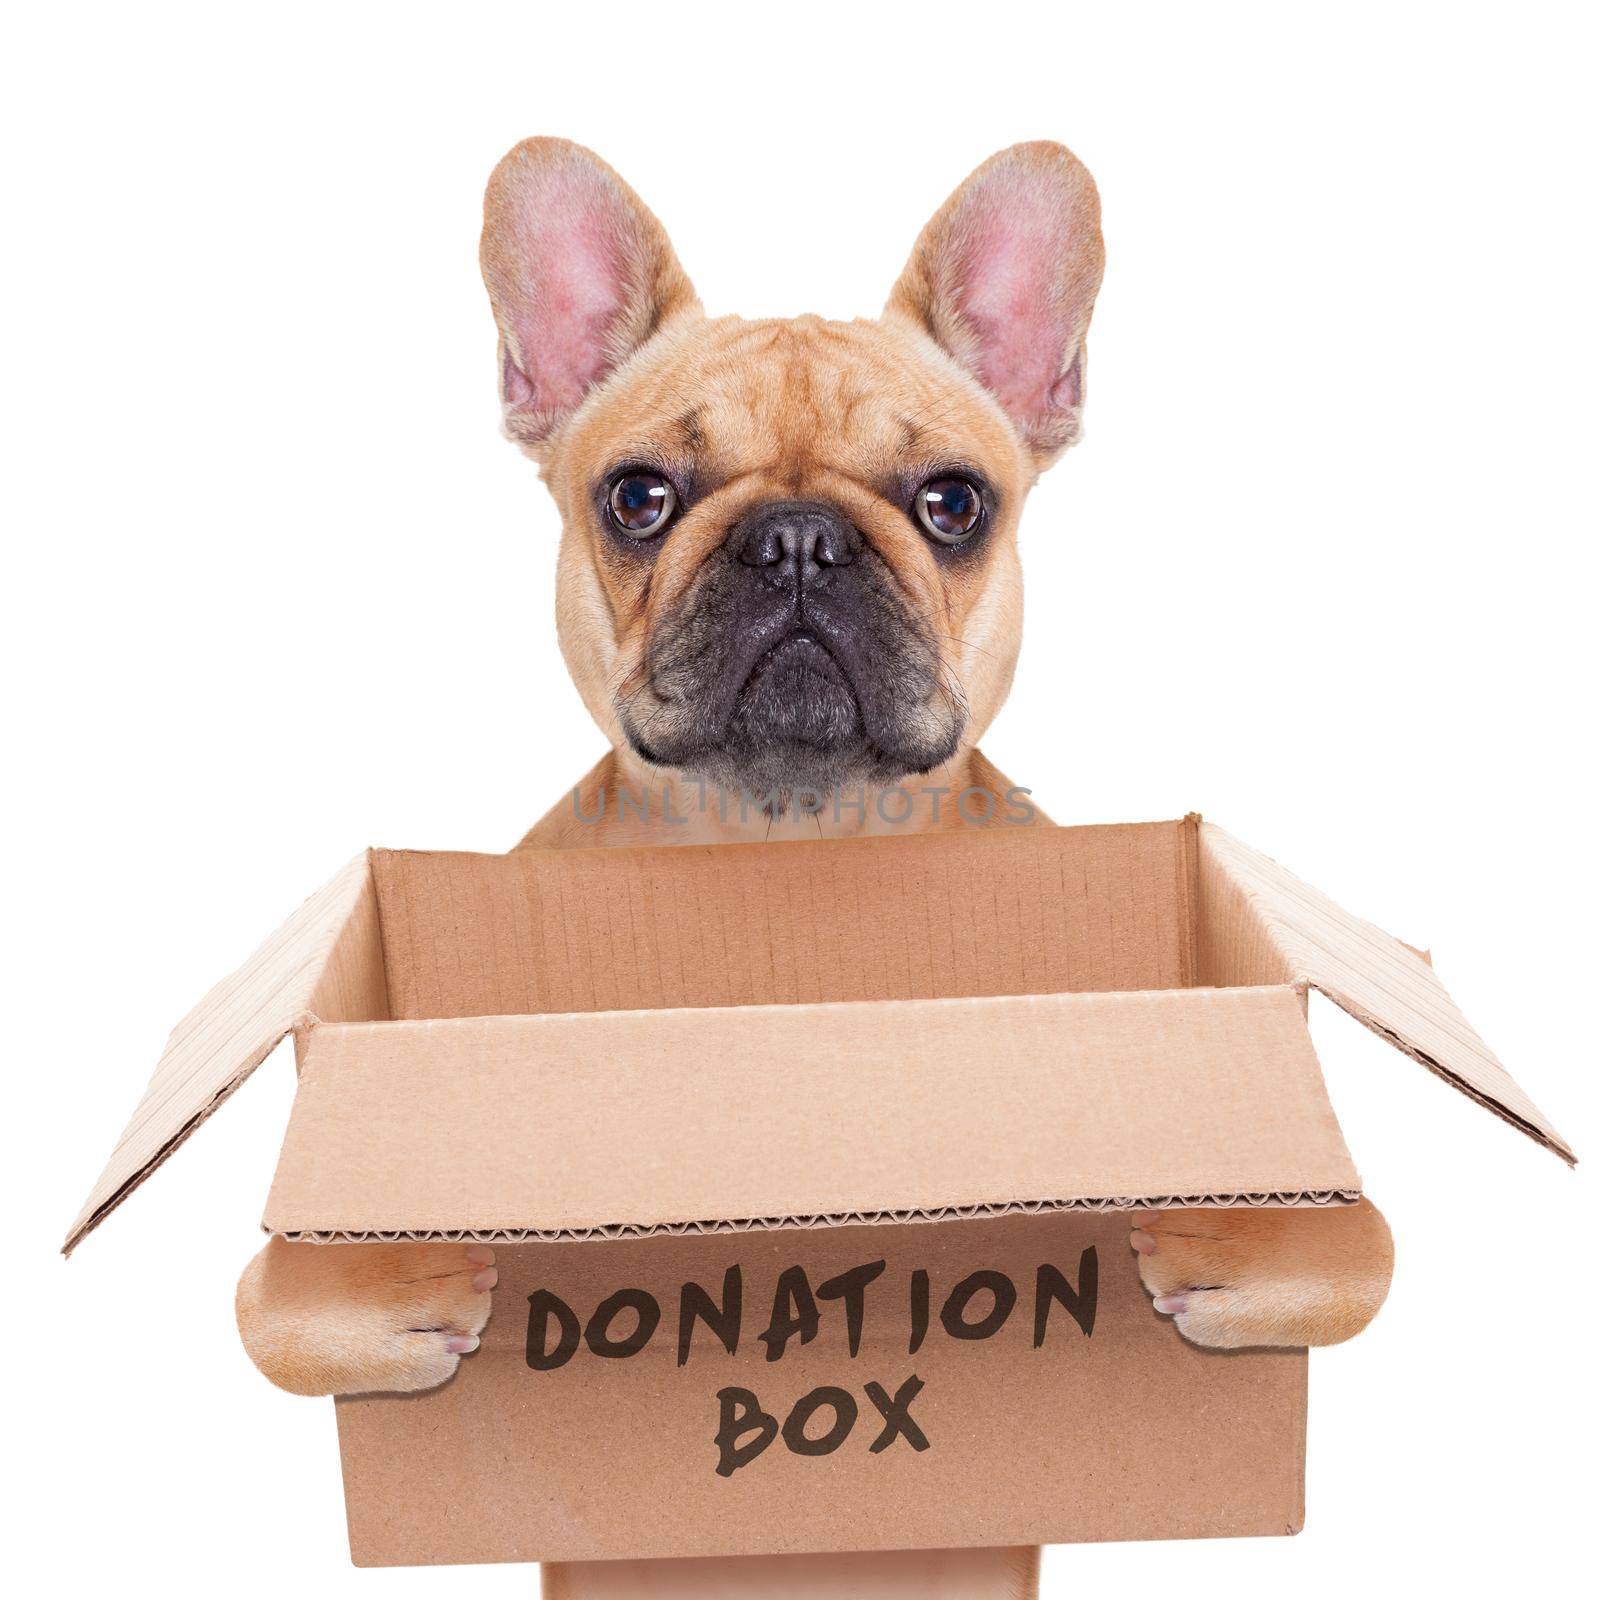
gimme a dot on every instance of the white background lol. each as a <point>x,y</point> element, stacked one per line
<point>275,589</point>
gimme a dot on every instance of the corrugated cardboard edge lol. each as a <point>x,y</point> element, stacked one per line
<point>832,1219</point>
<point>1297,932</point>
<point>323,962</point>
<point>625,1124</point>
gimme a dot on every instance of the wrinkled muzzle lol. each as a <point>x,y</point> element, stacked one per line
<point>793,663</point>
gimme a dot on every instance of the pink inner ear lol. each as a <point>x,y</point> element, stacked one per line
<point>1016,243</point>
<point>515,388</point>
<point>569,244</point>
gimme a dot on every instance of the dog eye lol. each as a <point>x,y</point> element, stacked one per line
<point>949,508</point>
<point>642,504</point>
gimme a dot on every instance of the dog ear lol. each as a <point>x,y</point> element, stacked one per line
<point>579,273</point>
<point>1004,278</point>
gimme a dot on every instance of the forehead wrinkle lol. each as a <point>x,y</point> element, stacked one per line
<point>689,431</point>
<point>846,397</point>
<point>790,396</point>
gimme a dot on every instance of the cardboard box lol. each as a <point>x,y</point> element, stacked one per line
<point>805,1165</point>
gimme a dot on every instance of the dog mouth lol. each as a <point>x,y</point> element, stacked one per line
<point>801,656</point>
<point>797,693</point>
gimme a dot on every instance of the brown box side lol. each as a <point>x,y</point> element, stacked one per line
<point>1124,1433</point>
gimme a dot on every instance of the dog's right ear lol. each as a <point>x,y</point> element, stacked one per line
<point>579,273</point>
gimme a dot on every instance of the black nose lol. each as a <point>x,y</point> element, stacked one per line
<point>802,536</point>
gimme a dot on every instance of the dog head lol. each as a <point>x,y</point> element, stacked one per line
<point>789,554</point>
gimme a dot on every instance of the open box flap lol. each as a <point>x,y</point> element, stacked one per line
<point>571,1126</point>
<point>325,961</point>
<point>1262,924</point>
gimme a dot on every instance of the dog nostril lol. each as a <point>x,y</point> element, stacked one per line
<point>762,547</point>
<point>836,546</point>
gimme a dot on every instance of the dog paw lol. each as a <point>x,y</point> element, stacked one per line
<point>358,1318</point>
<point>1284,1276</point>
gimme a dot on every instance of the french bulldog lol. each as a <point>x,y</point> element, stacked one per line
<point>789,572</point>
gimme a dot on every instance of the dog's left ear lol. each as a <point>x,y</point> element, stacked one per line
<point>1004,278</point>
<point>579,273</point>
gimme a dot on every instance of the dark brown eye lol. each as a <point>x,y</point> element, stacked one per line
<point>641,504</point>
<point>949,509</point>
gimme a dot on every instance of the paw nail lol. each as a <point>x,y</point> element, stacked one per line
<point>1171,1305</point>
<point>1141,1241</point>
<point>480,1255</point>
<point>459,1344</point>
<point>485,1280</point>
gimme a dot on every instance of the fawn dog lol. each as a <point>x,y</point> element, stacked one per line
<point>789,570</point>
